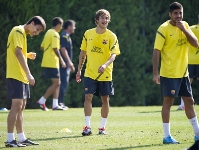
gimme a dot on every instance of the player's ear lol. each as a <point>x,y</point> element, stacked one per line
<point>169,14</point>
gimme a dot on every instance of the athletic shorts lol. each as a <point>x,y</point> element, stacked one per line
<point>193,71</point>
<point>98,88</point>
<point>49,73</point>
<point>17,89</point>
<point>174,87</point>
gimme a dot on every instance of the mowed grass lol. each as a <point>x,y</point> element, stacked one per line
<point>128,127</point>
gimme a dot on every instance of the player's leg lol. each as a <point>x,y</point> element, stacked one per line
<point>90,86</point>
<point>186,93</point>
<point>49,73</point>
<point>105,89</point>
<point>56,82</point>
<point>169,88</point>
<point>64,77</point>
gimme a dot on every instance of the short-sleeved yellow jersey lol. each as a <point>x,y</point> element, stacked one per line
<point>173,45</point>
<point>51,40</point>
<point>193,51</point>
<point>99,48</point>
<point>16,38</point>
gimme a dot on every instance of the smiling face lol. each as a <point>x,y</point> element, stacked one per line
<point>35,29</point>
<point>103,21</point>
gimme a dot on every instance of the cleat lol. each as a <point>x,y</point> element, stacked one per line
<point>86,131</point>
<point>63,106</point>
<point>42,106</point>
<point>181,107</point>
<point>196,138</point>
<point>14,143</point>
<point>170,140</point>
<point>58,108</point>
<point>28,142</point>
<point>102,131</point>
<point>195,146</point>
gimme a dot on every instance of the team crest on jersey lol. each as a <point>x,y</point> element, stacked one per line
<point>104,41</point>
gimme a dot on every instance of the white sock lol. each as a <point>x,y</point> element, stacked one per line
<point>182,102</point>
<point>42,100</point>
<point>21,137</point>
<point>87,121</point>
<point>55,103</point>
<point>10,137</point>
<point>103,122</point>
<point>194,123</point>
<point>166,127</point>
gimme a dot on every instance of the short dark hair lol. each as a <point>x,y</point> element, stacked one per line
<point>68,23</point>
<point>38,20</point>
<point>57,20</point>
<point>102,12</point>
<point>175,5</point>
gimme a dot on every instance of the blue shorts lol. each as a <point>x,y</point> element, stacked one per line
<point>98,88</point>
<point>49,73</point>
<point>193,71</point>
<point>17,89</point>
<point>174,87</point>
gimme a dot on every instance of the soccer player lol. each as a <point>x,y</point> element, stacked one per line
<point>67,54</point>
<point>100,45</point>
<point>171,42</point>
<point>18,78</point>
<point>50,64</point>
<point>193,60</point>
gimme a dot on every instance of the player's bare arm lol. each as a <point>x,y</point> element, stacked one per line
<point>156,58</point>
<point>191,37</point>
<point>31,55</point>
<point>65,55</point>
<point>60,58</point>
<point>24,65</point>
<point>82,58</point>
<point>103,67</point>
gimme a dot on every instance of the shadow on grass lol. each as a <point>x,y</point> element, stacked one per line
<point>56,138</point>
<point>155,111</point>
<point>132,147</point>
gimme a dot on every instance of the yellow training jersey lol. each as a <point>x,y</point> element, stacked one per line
<point>99,48</point>
<point>51,40</point>
<point>16,38</point>
<point>193,51</point>
<point>173,45</point>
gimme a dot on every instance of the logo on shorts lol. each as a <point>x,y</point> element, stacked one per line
<point>86,89</point>
<point>173,92</point>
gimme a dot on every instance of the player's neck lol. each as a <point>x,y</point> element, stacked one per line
<point>100,30</point>
<point>26,28</point>
<point>67,31</point>
<point>55,29</point>
<point>173,23</point>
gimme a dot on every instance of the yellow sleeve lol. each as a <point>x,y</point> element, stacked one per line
<point>160,38</point>
<point>84,42</point>
<point>114,45</point>
<point>18,38</point>
<point>56,41</point>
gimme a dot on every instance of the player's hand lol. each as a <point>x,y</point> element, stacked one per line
<point>78,76</point>
<point>63,64</point>
<point>71,66</point>
<point>156,79</point>
<point>102,68</point>
<point>31,55</point>
<point>180,25</point>
<point>31,79</point>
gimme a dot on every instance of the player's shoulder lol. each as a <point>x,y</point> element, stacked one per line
<point>18,29</point>
<point>196,27</point>
<point>164,25</point>
<point>111,33</point>
<point>90,31</point>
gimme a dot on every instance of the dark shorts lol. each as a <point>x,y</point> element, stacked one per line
<point>49,73</point>
<point>175,87</point>
<point>98,88</point>
<point>17,89</point>
<point>193,71</point>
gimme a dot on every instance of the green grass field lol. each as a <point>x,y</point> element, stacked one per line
<point>128,127</point>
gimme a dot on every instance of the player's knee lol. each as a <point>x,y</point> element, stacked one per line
<point>88,97</point>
